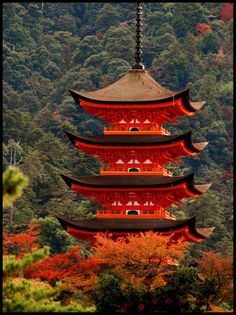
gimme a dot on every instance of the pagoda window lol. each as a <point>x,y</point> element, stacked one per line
<point>134,121</point>
<point>132,170</point>
<point>149,203</point>
<point>134,129</point>
<point>132,212</point>
<point>122,121</point>
<point>132,203</point>
<point>120,162</point>
<point>147,162</point>
<point>117,203</point>
<point>134,162</point>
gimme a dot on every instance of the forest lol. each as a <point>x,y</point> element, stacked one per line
<point>51,47</point>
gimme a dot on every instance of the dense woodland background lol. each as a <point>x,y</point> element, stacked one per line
<point>50,47</point>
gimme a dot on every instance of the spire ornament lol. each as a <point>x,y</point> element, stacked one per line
<point>138,52</point>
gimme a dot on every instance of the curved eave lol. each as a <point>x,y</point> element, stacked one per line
<point>135,182</point>
<point>136,140</point>
<point>97,225</point>
<point>197,105</point>
<point>184,95</point>
<point>205,231</point>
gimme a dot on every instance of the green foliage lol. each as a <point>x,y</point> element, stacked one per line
<point>51,234</point>
<point>14,181</point>
<point>182,289</point>
<point>48,48</point>
<point>210,43</point>
<point>23,295</point>
<point>12,265</point>
<point>109,282</point>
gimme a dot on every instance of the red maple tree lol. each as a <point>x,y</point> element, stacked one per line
<point>76,274</point>
<point>214,266</point>
<point>202,28</point>
<point>99,35</point>
<point>140,259</point>
<point>227,12</point>
<point>21,243</point>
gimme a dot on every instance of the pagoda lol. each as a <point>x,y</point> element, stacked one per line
<point>135,188</point>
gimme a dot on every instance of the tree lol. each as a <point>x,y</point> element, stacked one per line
<point>106,17</point>
<point>220,270</point>
<point>52,234</point>
<point>139,259</point>
<point>21,243</point>
<point>109,282</point>
<point>15,152</point>
<point>210,43</point>
<point>181,292</point>
<point>119,43</point>
<point>186,16</point>
<point>226,12</point>
<point>23,295</point>
<point>76,273</point>
<point>202,28</point>
<point>14,181</point>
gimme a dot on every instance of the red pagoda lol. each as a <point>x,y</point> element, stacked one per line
<point>135,189</point>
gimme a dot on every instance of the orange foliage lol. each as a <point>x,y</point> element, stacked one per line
<point>214,266</point>
<point>139,259</point>
<point>74,272</point>
<point>215,308</point>
<point>99,35</point>
<point>227,12</point>
<point>22,243</point>
<point>202,28</point>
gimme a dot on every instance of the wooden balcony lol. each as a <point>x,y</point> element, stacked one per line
<point>142,131</point>
<point>143,214</point>
<point>124,171</point>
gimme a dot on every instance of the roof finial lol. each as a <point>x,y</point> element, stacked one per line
<point>138,53</point>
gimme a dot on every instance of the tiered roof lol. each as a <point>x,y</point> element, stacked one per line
<point>120,226</point>
<point>137,181</point>
<point>137,87</point>
<point>137,140</point>
<point>133,96</point>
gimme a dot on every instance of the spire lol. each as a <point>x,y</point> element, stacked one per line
<point>138,52</point>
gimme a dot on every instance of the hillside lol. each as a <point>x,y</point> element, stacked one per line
<point>50,47</point>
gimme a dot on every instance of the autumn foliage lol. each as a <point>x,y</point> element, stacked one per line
<point>130,267</point>
<point>22,243</point>
<point>73,271</point>
<point>202,28</point>
<point>140,259</point>
<point>227,12</point>
<point>214,266</point>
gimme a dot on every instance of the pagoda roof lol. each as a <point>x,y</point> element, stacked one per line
<point>135,224</point>
<point>136,87</point>
<point>136,181</point>
<point>137,140</point>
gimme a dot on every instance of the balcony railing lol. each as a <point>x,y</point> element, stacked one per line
<point>124,171</point>
<point>121,213</point>
<point>126,130</point>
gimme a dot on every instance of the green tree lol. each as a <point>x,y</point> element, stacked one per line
<point>23,295</point>
<point>109,282</point>
<point>14,181</point>
<point>210,43</point>
<point>53,235</point>
<point>119,43</point>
